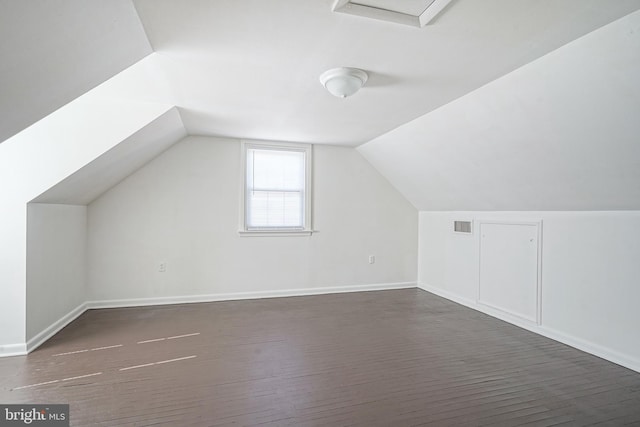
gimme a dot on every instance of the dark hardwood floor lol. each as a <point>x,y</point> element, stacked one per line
<point>388,358</point>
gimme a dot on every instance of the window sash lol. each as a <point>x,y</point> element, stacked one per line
<point>276,207</point>
<point>264,214</point>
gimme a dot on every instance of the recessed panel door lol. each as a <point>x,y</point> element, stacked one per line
<point>509,268</point>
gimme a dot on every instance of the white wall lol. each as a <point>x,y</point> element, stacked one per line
<point>590,274</point>
<point>558,134</point>
<point>182,209</point>
<point>35,160</point>
<point>56,263</point>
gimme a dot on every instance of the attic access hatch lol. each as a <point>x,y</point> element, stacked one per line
<point>416,13</point>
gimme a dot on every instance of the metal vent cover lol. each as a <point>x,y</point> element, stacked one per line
<point>416,13</point>
<point>462,227</point>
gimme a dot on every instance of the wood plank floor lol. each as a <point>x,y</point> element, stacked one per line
<point>388,358</point>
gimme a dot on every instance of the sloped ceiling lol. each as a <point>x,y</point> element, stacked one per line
<point>98,176</point>
<point>54,51</point>
<point>250,68</point>
<point>561,133</point>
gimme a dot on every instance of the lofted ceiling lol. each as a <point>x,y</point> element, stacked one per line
<point>111,167</point>
<point>560,133</point>
<point>51,52</point>
<point>445,105</point>
<point>250,68</point>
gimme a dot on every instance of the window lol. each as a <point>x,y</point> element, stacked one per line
<point>277,196</point>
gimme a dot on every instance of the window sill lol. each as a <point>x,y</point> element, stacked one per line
<point>275,233</point>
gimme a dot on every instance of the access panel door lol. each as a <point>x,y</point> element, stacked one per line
<point>509,268</point>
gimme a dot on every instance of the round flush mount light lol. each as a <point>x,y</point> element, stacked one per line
<point>344,81</point>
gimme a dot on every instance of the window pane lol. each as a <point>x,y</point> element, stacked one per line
<point>277,170</point>
<point>275,209</point>
<point>275,188</point>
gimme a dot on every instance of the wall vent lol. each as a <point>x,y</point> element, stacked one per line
<point>462,227</point>
<point>416,13</point>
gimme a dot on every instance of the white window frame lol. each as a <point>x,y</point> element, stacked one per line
<point>278,146</point>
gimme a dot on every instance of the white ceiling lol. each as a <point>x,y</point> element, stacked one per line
<point>250,68</point>
<point>54,51</point>
<point>98,176</point>
<point>560,133</point>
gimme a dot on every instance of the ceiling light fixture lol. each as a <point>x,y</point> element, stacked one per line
<point>344,81</point>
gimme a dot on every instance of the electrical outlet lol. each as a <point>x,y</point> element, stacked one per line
<point>372,259</point>
<point>163,267</point>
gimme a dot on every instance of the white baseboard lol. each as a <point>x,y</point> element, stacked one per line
<point>40,338</point>
<point>13,350</point>
<point>186,299</point>
<point>578,343</point>
<point>54,328</point>
<point>591,348</point>
<point>448,295</point>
